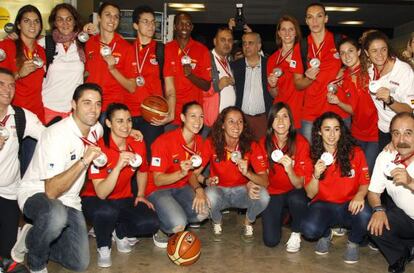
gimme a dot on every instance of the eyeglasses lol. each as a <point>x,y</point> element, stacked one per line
<point>147,22</point>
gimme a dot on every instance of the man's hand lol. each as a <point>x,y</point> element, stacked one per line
<point>378,221</point>
<point>225,81</point>
<point>201,203</point>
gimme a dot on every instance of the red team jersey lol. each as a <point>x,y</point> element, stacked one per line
<point>185,90</point>
<point>227,171</point>
<point>28,89</point>
<point>123,185</point>
<point>279,181</point>
<point>98,71</point>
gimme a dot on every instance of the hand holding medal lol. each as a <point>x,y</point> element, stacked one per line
<point>136,161</point>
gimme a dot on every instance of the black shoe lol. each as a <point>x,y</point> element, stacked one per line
<point>398,266</point>
<point>411,257</point>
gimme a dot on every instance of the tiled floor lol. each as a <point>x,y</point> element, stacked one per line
<point>233,256</point>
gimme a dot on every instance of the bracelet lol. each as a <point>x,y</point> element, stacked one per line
<point>314,177</point>
<point>86,165</point>
<point>378,208</point>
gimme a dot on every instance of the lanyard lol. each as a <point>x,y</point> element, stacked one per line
<point>140,66</point>
<point>284,149</point>
<point>377,73</point>
<point>3,122</point>
<point>102,44</point>
<point>224,65</point>
<point>356,70</point>
<point>315,54</point>
<point>29,54</point>
<point>399,160</point>
<point>189,150</point>
<point>88,142</point>
<point>281,58</point>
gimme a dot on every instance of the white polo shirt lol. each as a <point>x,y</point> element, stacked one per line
<point>62,78</point>
<point>60,146</point>
<point>227,94</point>
<point>400,81</point>
<point>9,161</point>
<point>402,196</point>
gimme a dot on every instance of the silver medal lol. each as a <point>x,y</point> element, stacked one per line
<point>100,161</point>
<point>374,86</point>
<point>136,161</point>
<point>235,156</point>
<point>196,161</point>
<point>185,60</point>
<point>140,81</point>
<point>2,55</point>
<point>315,63</point>
<point>4,133</point>
<point>106,51</point>
<point>278,72</point>
<point>277,155</point>
<point>327,158</point>
<point>38,62</point>
<point>332,88</point>
<point>83,37</point>
<point>9,28</point>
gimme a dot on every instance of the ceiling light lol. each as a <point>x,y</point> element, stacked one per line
<point>187,5</point>
<point>344,9</point>
<point>351,22</point>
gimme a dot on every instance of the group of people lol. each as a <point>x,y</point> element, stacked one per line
<point>301,131</point>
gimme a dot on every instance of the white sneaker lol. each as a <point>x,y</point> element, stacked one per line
<point>293,244</point>
<point>132,240</point>
<point>247,234</point>
<point>44,270</point>
<point>19,249</point>
<point>104,257</point>
<point>160,239</point>
<point>91,233</point>
<point>122,244</point>
<point>217,232</point>
<point>339,232</point>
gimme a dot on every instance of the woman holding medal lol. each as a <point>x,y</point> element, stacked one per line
<point>107,199</point>
<point>290,164</point>
<point>109,59</point>
<point>391,82</point>
<point>279,67</point>
<point>178,199</point>
<point>355,99</point>
<point>337,188</point>
<point>238,172</point>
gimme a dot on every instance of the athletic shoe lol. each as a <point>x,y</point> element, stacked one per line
<point>122,244</point>
<point>44,270</point>
<point>293,244</point>
<point>372,246</point>
<point>19,249</point>
<point>352,253</point>
<point>322,247</point>
<point>91,233</point>
<point>217,232</point>
<point>132,240</point>
<point>160,239</point>
<point>247,234</point>
<point>339,232</point>
<point>104,257</point>
<point>194,225</point>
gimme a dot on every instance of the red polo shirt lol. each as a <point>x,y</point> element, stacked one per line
<point>99,72</point>
<point>167,152</point>
<point>227,171</point>
<point>287,91</point>
<point>336,189</point>
<point>279,181</point>
<point>123,184</point>
<point>185,90</point>
<point>315,102</point>
<point>151,73</point>
<point>28,89</point>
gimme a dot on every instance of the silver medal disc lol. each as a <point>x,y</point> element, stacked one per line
<point>38,62</point>
<point>374,86</point>
<point>327,158</point>
<point>2,55</point>
<point>83,37</point>
<point>9,28</point>
<point>100,161</point>
<point>277,155</point>
<point>196,161</point>
<point>136,161</point>
<point>185,60</point>
<point>332,88</point>
<point>140,81</point>
<point>235,156</point>
<point>278,72</point>
<point>315,62</point>
<point>106,51</point>
<point>4,133</point>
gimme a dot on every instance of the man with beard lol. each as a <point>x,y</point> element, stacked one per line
<point>392,227</point>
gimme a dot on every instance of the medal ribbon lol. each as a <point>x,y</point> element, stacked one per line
<point>29,54</point>
<point>88,142</point>
<point>343,76</point>
<point>284,149</point>
<point>399,160</point>
<point>3,122</point>
<point>377,73</point>
<point>317,53</point>
<point>140,66</point>
<point>228,152</point>
<point>189,150</point>
<point>102,44</point>
<point>224,65</point>
<point>281,58</point>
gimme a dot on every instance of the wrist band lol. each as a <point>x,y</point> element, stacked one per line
<point>314,177</point>
<point>378,208</point>
<point>86,165</point>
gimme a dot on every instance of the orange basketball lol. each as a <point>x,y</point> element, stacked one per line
<point>184,248</point>
<point>154,107</point>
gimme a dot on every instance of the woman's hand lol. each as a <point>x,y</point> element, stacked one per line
<point>27,68</point>
<point>145,201</point>
<point>319,168</point>
<point>356,205</point>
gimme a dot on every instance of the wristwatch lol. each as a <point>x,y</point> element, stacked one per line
<point>390,102</point>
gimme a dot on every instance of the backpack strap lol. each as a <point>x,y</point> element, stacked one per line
<point>159,51</point>
<point>50,49</point>
<point>304,52</point>
<point>214,74</point>
<point>20,120</point>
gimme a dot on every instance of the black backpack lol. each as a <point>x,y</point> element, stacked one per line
<point>50,50</point>
<point>20,120</point>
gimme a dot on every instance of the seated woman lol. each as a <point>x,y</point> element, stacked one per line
<point>337,188</point>
<point>238,171</point>
<point>107,200</point>
<point>170,188</point>
<point>288,156</point>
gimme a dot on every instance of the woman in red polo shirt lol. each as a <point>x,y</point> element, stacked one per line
<point>337,188</point>
<point>288,156</point>
<point>356,99</point>
<point>107,200</point>
<point>109,59</point>
<point>26,59</point>
<point>175,156</point>
<point>238,172</point>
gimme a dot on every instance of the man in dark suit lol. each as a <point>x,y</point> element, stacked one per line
<point>252,95</point>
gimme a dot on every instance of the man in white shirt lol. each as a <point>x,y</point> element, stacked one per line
<point>392,228</point>
<point>48,194</point>
<point>9,161</point>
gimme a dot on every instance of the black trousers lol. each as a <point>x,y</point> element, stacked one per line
<point>396,242</point>
<point>9,222</point>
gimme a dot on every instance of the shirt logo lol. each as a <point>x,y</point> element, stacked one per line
<point>153,61</point>
<point>50,166</point>
<point>176,160</point>
<point>336,55</point>
<point>156,161</point>
<point>351,173</point>
<point>73,157</point>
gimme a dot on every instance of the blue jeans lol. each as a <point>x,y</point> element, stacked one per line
<point>235,197</point>
<point>371,152</point>
<point>306,129</point>
<point>272,217</point>
<point>174,208</point>
<point>322,216</point>
<point>120,215</point>
<point>58,233</point>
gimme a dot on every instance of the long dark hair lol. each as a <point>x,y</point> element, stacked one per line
<point>288,18</point>
<point>291,137</point>
<point>345,147</point>
<point>362,78</point>
<point>112,108</point>
<point>20,58</point>
<point>217,133</point>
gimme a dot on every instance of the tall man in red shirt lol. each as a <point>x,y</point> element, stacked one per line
<point>323,65</point>
<point>188,62</point>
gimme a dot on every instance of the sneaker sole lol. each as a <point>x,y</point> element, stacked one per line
<point>292,250</point>
<point>158,244</point>
<point>350,262</point>
<point>104,265</point>
<point>321,253</point>
<point>373,248</point>
<point>124,250</point>
<point>18,242</point>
